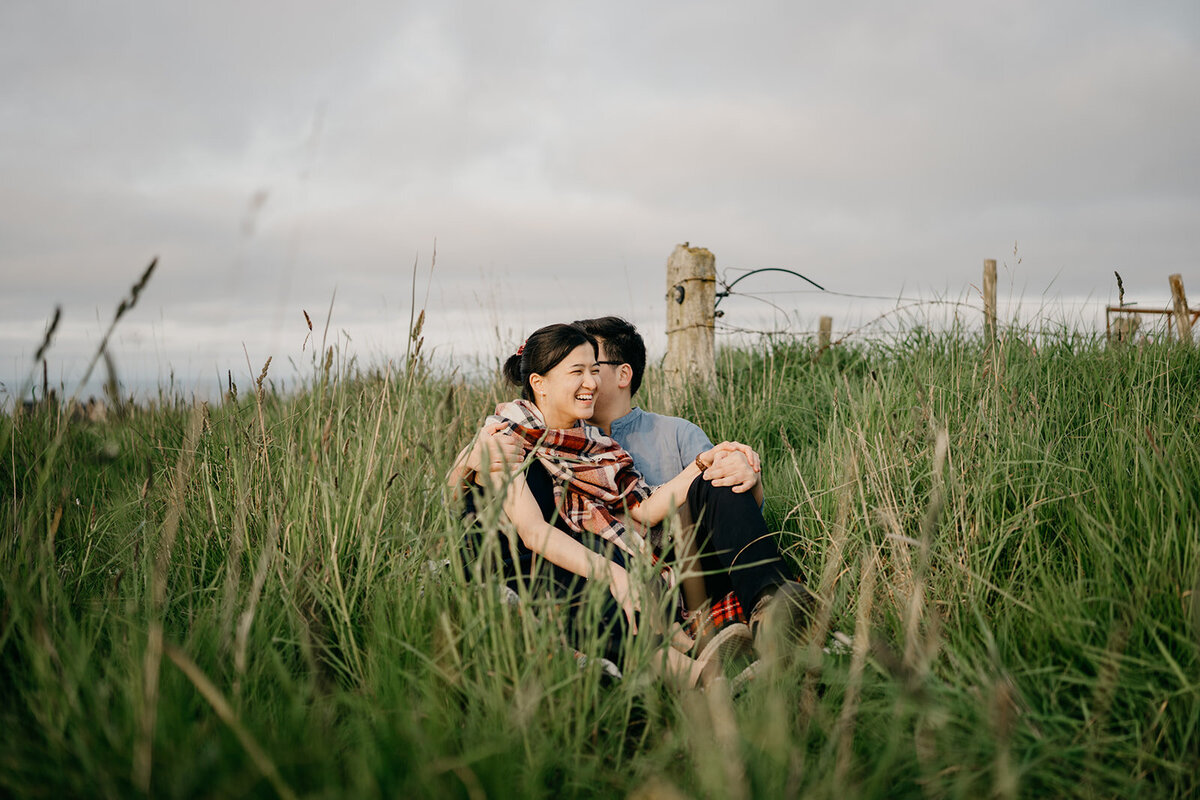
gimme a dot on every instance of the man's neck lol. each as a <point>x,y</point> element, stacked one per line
<point>603,418</point>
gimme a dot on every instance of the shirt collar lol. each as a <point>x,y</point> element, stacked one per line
<point>626,421</point>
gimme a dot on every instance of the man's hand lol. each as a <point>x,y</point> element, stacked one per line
<point>737,447</point>
<point>733,468</point>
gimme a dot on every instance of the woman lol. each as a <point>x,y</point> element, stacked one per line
<point>584,483</point>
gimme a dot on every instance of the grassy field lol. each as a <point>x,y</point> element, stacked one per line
<point>248,598</point>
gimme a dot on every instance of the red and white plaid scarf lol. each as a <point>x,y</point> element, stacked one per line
<point>594,478</point>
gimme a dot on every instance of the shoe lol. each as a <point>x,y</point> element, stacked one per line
<point>840,644</point>
<point>780,618</point>
<point>741,681</point>
<point>608,670</point>
<point>728,647</point>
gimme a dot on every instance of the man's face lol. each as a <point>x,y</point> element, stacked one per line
<point>608,377</point>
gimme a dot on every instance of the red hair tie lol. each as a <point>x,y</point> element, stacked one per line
<point>521,349</point>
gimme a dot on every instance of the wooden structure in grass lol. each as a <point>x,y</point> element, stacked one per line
<point>691,299</point>
<point>1121,321</point>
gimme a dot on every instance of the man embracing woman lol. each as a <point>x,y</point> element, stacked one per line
<point>587,477</point>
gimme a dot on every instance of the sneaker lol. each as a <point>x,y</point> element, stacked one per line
<point>608,669</point>
<point>729,647</point>
<point>780,618</point>
<point>742,680</point>
<point>840,644</point>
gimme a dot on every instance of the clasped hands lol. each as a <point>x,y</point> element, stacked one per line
<point>732,464</point>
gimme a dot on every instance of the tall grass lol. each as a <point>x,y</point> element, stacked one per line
<point>265,597</point>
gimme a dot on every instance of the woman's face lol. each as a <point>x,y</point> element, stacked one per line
<point>567,391</point>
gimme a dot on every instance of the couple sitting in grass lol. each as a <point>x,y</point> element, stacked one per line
<point>587,477</point>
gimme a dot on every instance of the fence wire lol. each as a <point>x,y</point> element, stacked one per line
<point>1030,318</point>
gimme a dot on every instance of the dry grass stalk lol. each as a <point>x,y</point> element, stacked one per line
<point>1003,719</point>
<point>1109,674</point>
<point>915,647</point>
<point>247,617</point>
<point>122,309</point>
<point>657,788</point>
<point>835,562</point>
<point>223,710</point>
<point>858,659</point>
<point>445,650</point>
<point>900,584</point>
<point>715,741</point>
<point>233,561</point>
<point>727,738</point>
<point>262,376</point>
<point>143,750</point>
<point>112,386</point>
<point>262,418</point>
<point>470,782</point>
<point>49,335</point>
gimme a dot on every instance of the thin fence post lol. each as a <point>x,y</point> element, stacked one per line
<point>825,334</point>
<point>989,299</point>
<point>1183,320</point>
<point>691,300</point>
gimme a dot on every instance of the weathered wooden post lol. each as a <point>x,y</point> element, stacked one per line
<point>1183,320</point>
<point>691,299</point>
<point>825,334</point>
<point>989,300</point>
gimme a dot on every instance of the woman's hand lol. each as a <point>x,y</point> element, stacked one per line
<point>624,593</point>
<point>496,454</point>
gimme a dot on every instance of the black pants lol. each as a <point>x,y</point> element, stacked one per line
<point>584,625</point>
<point>737,552</point>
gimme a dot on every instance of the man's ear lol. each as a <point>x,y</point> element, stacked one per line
<point>624,376</point>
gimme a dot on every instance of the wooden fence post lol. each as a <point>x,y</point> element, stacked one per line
<point>1183,320</point>
<point>825,334</point>
<point>989,300</point>
<point>691,299</point>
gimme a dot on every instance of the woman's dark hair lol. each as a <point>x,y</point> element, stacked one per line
<point>542,351</point>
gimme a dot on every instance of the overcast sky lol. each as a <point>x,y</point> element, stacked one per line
<point>271,154</point>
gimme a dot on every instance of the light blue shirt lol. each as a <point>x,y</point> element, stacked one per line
<point>661,446</point>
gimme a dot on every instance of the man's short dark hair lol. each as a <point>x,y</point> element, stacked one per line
<point>621,342</point>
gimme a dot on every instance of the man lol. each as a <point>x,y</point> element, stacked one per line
<point>733,548</point>
<point>732,559</point>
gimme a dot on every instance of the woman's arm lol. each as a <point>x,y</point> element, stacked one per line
<point>668,497</point>
<point>492,452</point>
<point>560,549</point>
<point>673,493</point>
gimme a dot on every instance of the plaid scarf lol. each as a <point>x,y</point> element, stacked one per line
<point>594,478</point>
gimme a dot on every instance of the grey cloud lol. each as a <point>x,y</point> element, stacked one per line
<point>561,147</point>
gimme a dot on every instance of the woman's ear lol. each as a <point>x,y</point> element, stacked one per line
<point>536,382</point>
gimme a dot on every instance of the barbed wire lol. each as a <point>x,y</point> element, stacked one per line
<point>725,327</point>
<point>857,296</point>
<point>934,300</point>
<point>904,303</point>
